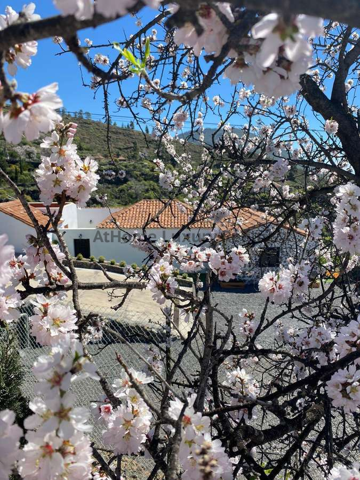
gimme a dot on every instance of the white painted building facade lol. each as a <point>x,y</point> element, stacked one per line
<point>92,232</point>
<point>114,244</point>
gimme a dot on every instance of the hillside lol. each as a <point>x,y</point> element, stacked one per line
<point>208,133</point>
<point>133,151</point>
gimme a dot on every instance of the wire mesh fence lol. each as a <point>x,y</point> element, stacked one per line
<point>125,334</point>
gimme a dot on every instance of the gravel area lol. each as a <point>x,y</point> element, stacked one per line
<point>141,337</point>
<point>231,304</point>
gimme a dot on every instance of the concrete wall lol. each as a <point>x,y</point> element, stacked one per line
<point>114,244</point>
<point>16,231</point>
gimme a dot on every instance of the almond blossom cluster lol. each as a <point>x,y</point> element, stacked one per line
<point>228,267</point>
<point>313,227</point>
<point>280,54</point>
<point>340,472</point>
<point>38,263</point>
<point>347,222</point>
<point>248,324</point>
<point>31,114</point>
<point>242,385</point>
<point>331,126</point>
<point>215,33</point>
<point>54,323</point>
<point>127,425</point>
<point>199,455</point>
<point>10,302</point>
<point>348,338</point>
<point>57,445</point>
<point>344,386</point>
<point>10,435</point>
<point>20,54</point>
<point>287,282</point>
<point>9,297</point>
<point>277,171</point>
<point>207,459</point>
<point>64,173</point>
<point>315,341</point>
<point>344,389</point>
<point>7,253</point>
<point>162,282</point>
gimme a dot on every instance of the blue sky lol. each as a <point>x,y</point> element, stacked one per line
<point>64,69</point>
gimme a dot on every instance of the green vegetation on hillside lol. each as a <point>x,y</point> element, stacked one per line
<point>133,152</point>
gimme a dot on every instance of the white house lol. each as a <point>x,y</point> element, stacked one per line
<point>270,242</point>
<point>103,232</point>
<point>111,237</point>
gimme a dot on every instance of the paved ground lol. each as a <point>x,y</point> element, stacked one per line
<point>139,307</point>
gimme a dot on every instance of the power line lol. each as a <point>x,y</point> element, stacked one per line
<point>148,119</point>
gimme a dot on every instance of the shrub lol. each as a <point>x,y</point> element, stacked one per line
<point>92,258</point>
<point>112,262</point>
<point>101,259</point>
<point>11,377</point>
<point>134,266</point>
<point>122,264</point>
<point>79,256</point>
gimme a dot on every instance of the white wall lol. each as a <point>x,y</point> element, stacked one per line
<point>91,217</point>
<point>75,217</point>
<point>16,231</point>
<point>70,216</point>
<point>112,244</point>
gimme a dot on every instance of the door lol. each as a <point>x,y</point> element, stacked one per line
<point>82,245</point>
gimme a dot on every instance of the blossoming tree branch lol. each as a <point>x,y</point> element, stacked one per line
<point>271,395</point>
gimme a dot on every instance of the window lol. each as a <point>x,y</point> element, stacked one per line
<point>269,257</point>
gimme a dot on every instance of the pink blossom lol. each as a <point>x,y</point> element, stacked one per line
<point>36,114</point>
<point>9,442</point>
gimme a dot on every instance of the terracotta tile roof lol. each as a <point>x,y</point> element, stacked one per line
<point>245,219</point>
<point>177,214</point>
<point>16,210</point>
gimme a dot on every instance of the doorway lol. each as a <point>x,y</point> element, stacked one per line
<point>82,245</point>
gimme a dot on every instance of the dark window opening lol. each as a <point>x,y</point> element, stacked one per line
<point>82,245</point>
<point>270,257</point>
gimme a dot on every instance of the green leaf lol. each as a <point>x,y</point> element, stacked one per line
<point>147,48</point>
<point>129,56</point>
